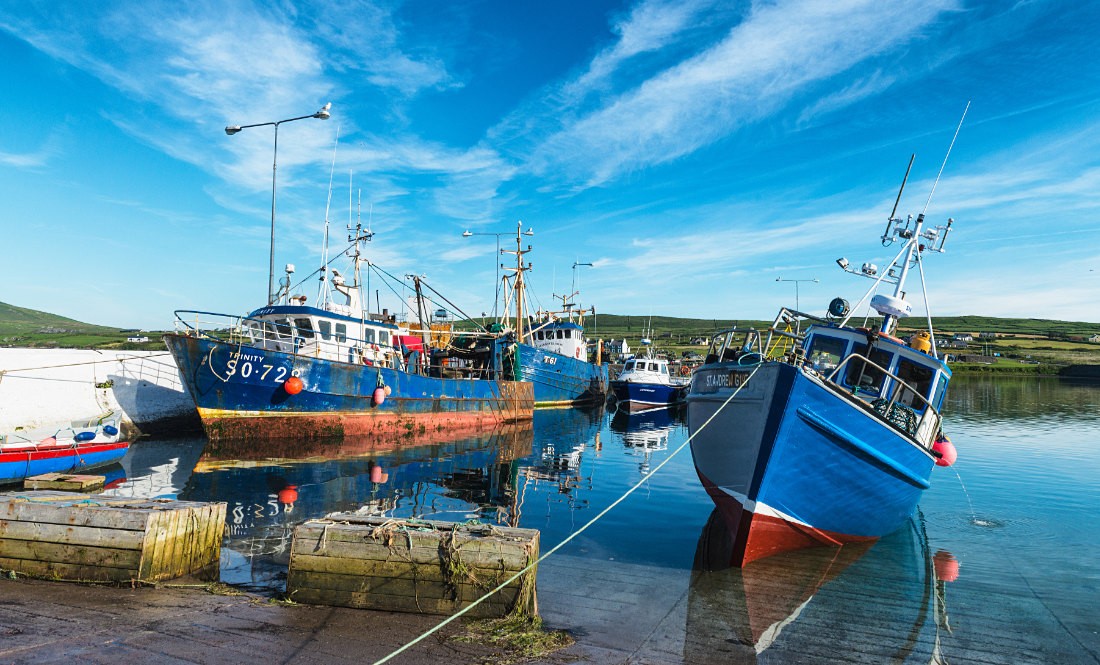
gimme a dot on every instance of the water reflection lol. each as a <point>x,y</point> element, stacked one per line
<point>648,431</point>
<point>883,602</point>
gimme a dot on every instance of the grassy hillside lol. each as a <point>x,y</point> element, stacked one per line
<point>20,326</point>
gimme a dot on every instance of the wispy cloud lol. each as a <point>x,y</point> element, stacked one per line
<point>775,53</point>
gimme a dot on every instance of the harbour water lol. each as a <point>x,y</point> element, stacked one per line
<point>998,565</point>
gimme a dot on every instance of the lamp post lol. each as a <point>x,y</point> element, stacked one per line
<point>573,286</point>
<point>230,130</point>
<point>796,281</point>
<point>468,233</point>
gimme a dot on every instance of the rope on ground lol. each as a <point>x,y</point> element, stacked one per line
<point>642,481</point>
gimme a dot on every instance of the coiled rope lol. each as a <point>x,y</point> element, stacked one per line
<point>642,481</point>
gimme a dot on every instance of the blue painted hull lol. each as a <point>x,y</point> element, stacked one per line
<point>239,392</point>
<point>641,395</point>
<point>792,463</point>
<point>559,380</point>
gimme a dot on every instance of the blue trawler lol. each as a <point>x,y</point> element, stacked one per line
<point>819,432</point>
<point>552,351</point>
<point>290,369</point>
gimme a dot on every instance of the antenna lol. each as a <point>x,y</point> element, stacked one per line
<point>323,294</point>
<point>945,158</point>
<point>886,239</point>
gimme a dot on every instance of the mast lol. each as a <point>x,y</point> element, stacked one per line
<point>518,286</point>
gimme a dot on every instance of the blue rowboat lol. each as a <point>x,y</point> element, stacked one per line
<point>76,446</point>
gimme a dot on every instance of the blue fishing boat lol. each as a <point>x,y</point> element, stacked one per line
<point>646,383</point>
<point>331,369</point>
<point>74,446</point>
<point>819,432</point>
<point>552,351</point>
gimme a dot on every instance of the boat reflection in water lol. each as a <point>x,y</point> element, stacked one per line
<point>273,486</point>
<point>648,431</point>
<point>562,436</point>
<point>877,602</point>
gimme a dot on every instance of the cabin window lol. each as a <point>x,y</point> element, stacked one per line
<point>325,329</point>
<point>305,328</point>
<point>628,366</point>
<point>917,376</point>
<point>941,389</point>
<point>341,332</point>
<point>368,335</point>
<point>561,334</point>
<point>283,330</point>
<point>825,353</point>
<point>864,375</point>
<point>383,338</point>
<point>540,335</point>
<point>664,369</point>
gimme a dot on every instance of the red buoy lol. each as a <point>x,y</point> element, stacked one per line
<point>293,385</point>
<point>288,494</point>
<point>947,451</point>
<point>946,565</point>
<point>379,395</point>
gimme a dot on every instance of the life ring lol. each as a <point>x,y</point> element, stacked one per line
<point>685,370</point>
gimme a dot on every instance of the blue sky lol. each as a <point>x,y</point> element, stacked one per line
<point>692,151</point>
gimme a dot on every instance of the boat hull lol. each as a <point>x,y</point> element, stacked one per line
<point>638,395</point>
<point>559,380</point>
<point>18,464</point>
<point>247,399</point>
<point>791,463</point>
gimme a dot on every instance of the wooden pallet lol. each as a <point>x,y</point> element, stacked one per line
<point>418,566</point>
<point>70,482</point>
<point>95,537</point>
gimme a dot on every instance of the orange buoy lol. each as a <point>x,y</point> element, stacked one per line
<point>947,451</point>
<point>946,565</point>
<point>387,390</point>
<point>379,396</point>
<point>293,385</point>
<point>288,494</point>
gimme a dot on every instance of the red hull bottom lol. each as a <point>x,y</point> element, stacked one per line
<point>309,426</point>
<point>757,536</point>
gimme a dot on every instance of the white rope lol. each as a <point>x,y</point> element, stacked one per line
<point>89,362</point>
<point>573,535</point>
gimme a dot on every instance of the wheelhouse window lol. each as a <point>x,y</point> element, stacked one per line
<point>305,328</point>
<point>368,335</point>
<point>825,353</point>
<point>341,332</point>
<point>561,334</point>
<point>383,337</point>
<point>628,366</point>
<point>919,378</point>
<point>325,329</point>
<point>868,376</point>
<point>664,369</point>
<point>283,330</point>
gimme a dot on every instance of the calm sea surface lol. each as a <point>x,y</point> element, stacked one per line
<point>998,566</point>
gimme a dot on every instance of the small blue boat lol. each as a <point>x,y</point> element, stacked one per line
<point>646,383</point>
<point>75,446</point>
<point>819,432</point>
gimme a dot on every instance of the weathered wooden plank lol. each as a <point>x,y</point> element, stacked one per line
<point>43,512</point>
<point>419,534</point>
<point>323,544</point>
<point>70,535</point>
<point>468,530</point>
<point>66,571</point>
<point>420,605</point>
<point>488,577</point>
<point>71,554</point>
<point>420,588</point>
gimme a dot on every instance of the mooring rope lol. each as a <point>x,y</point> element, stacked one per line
<point>88,362</point>
<point>644,479</point>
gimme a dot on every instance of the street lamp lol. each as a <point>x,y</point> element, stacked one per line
<point>573,286</point>
<point>468,233</point>
<point>796,281</point>
<point>230,130</point>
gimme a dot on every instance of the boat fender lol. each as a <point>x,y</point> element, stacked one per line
<point>945,450</point>
<point>379,395</point>
<point>387,390</point>
<point>84,436</point>
<point>110,430</point>
<point>946,566</point>
<point>293,385</point>
<point>48,441</point>
<point>288,495</point>
<point>376,474</point>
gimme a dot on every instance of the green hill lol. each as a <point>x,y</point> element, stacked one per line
<point>20,326</point>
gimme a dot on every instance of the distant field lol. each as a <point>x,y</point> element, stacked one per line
<point>24,327</point>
